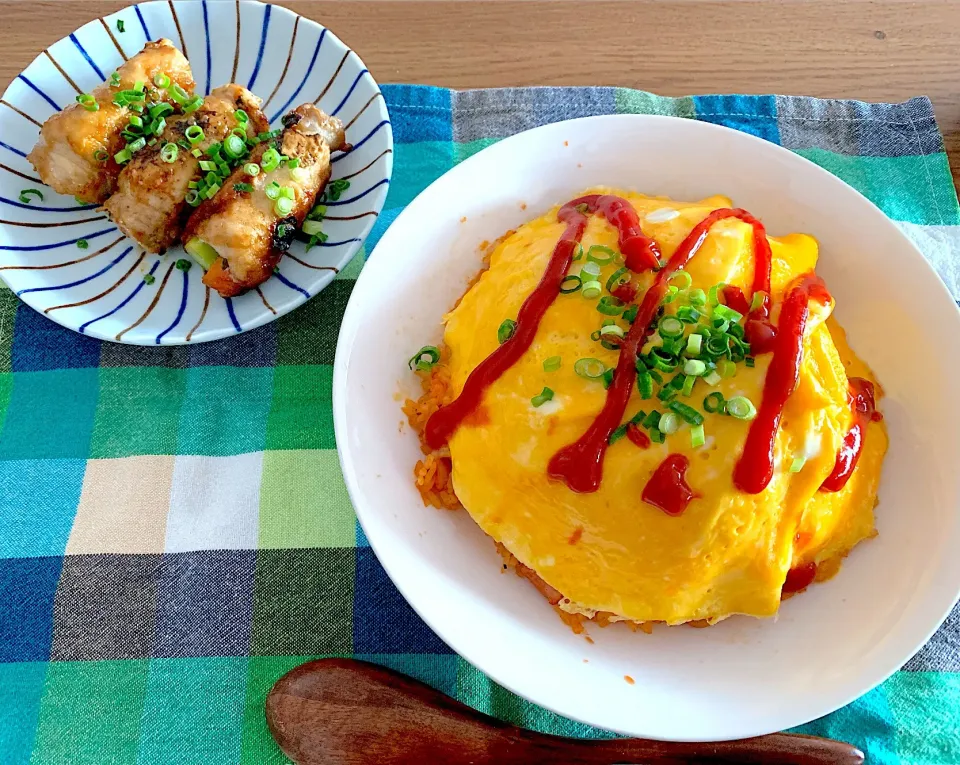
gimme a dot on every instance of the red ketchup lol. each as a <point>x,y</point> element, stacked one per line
<point>637,436</point>
<point>580,464</point>
<point>755,466</point>
<point>734,298</point>
<point>667,487</point>
<point>799,578</point>
<point>863,404</point>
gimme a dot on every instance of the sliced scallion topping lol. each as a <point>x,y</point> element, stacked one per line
<point>687,413</point>
<point>149,279</point>
<point>727,313</point>
<point>252,168</point>
<point>425,359</point>
<point>670,327</point>
<point>671,295</point>
<point>713,297</point>
<point>758,299</point>
<point>283,207</point>
<point>694,367</point>
<point>616,278</point>
<point>161,80</point>
<point>607,378</point>
<point>669,423</point>
<point>694,343</point>
<point>631,313</point>
<point>726,368</point>
<point>25,195</point>
<point>797,465</point>
<point>244,187</point>
<point>88,102</point>
<point>286,192</point>
<point>612,330</point>
<point>688,314</point>
<point>589,368</point>
<point>578,252</point>
<point>552,364</point>
<point>741,407</point>
<point>697,437</point>
<point>120,25</point>
<point>312,227</point>
<point>714,403</point>
<point>194,134</point>
<point>645,384</point>
<point>591,289</point>
<point>270,160</point>
<point>124,155</point>
<point>115,80</point>
<point>193,104</point>
<point>542,397</point>
<point>183,264</point>
<point>241,116</point>
<point>617,434</point>
<point>681,279</point>
<point>750,362</point>
<point>696,298</point>
<point>610,306</point>
<point>272,191</point>
<point>656,436</point>
<point>712,379</point>
<point>661,360</point>
<point>234,147</point>
<point>169,152</point>
<point>506,330</point>
<point>570,283</point>
<point>595,335</point>
<point>652,420</point>
<point>718,345</point>
<point>688,383</point>
<point>82,244</point>
<point>590,271</point>
<point>100,155</point>
<point>601,255</point>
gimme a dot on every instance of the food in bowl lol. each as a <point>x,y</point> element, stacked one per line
<point>649,408</point>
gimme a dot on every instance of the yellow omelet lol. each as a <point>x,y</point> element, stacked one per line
<point>609,551</point>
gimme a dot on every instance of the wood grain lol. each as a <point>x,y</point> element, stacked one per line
<point>875,50</point>
<point>348,712</point>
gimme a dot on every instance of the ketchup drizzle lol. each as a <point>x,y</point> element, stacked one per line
<point>863,403</point>
<point>799,578</point>
<point>580,464</point>
<point>667,487</point>
<point>755,466</point>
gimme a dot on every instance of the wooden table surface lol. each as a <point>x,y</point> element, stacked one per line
<point>880,50</point>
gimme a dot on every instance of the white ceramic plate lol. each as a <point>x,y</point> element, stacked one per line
<point>743,677</point>
<point>283,58</point>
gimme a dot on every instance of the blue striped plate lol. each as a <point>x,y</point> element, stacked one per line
<point>100,291</point>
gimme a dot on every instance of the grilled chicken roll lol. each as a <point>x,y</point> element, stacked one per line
<point>150,202</point>
<point>75,153</point>
<point>242,232</point>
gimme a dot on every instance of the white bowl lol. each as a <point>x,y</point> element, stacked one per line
<point>745,676</point>
<point>285,59</point>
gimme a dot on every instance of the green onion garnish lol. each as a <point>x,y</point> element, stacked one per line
<point>619,433</point>
<point>425,359</point>
<point>697,437</point>
<point>712,379</point>
<point>193,104</point>
<point>612,330</point>
<point>589,272</point>
<point>283,207</point>
<point>82,244</point>
<point>149,278</point>
<point>631,313</point>
<point>758,298</point>
<point>671,295</point>
<point>161,80</point>
<point>645,384</point>
<point>590,289</point>
<point>694,367</point>
<point>750,362</point>
<point>312,227</point>
<point>615,278</point>
<point>718,345</point>
<point>670,327</point>
<point>120,25</point>
<point>293,163</point>
<point>244,187</point>
<point>656,435</point>
<point>696,298</point>
<point>124,155</point>
<point>742,408</point>
<point>687,413</point>
<point>797,465</point>
<point>286,192</point>
<point>727,313</point>
<point>662,360</point>
<point>241,116</point>
<point>589,368</point>
<point>25,195</point>
<point>578,253</point>
<point>88,102</point>
<point>506,330</point>
<point>714,403</point>
<point>169,152</point>
<point>726,368</point>
<point>608,378</point>
<point>100,155</point>
<point>688,383</point>
<point>194,134</point>
<point>610,306</point>
<point>713,296</point>
<point>694,343</point>
<point>681,279</point>
<point>234,147</point>
<point>595,335</point>
<point>669,423</point>
<point>652,420</point>
<point>543,397</point>
<point>272,191</point>
<point>570,283</point>
<point>183,264</point>
<point>115,80</point>
<point>601,255</point>
<point>552,364</point>
<point>270,160</point>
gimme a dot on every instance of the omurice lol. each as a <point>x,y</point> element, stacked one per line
<point>649,408</point>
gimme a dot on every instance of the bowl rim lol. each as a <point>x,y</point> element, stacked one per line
<point>353,321</point>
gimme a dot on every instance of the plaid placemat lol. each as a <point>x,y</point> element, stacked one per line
<point>175,533</point>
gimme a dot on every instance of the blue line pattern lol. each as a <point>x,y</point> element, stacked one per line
<point>131,296</point>
<point>349,92</point>
<point>290,284</point>
<point>362,141</point>
<point>183,306</point>
<point>306,77</point>
<point>86,55</point>
<point>206,34</point>
<point>38,91</point>
<point>146,32</point>
<point>86,279</point>
<point>233,315</point>
<point>13,203</point>
<point>11,148</point>
<point>55,245</point>
<point>263,43</point>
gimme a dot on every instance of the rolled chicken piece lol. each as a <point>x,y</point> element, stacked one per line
<point>75,153</point>
<point>150,202</point>
<point>240,235</point>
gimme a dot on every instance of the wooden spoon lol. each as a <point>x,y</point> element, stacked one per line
<point>348,712</point>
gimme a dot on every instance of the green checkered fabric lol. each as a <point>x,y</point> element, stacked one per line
<point>174,529</point>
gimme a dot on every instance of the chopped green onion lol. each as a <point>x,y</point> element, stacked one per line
<point>252,168</point>
<point>317,213</point>
<point>612,329</point>
<point>177,93</point>
<point>712,379</point>
<point>652,420</point>
<point>169,152</point>
<point>615,279</point>
<point>590,271</point>
<point>293,163</point>
<point>161,80</point>
<point>589,368</point>
<point>631,313</point>
<point>688,383</point>
<point>662,360</point>
<point>681,279</point>
<point>234,147</point>
<point>25,195</point>
<point>158,126</point>
<point>610,306</point>
<point>312,227</point>
<point>82,244</point>
<point>194,134</point>
<point>726,368</point>
<point>595,335</point>
<point>163,109</point>
<point>149,278</point>
<point>88,102</point>
<point>321,237</point>
<point>197,153</point>
<point>100,155</point>
<point>671,295</point>
<point>578,253</point>
<point>694,343</point>
<point>601,255</point>
<point>193,198</point>
<point>670,327</point>
<point>506,330</point>
<point>273,190</point>
<point>120,25</point>
<point>697,437</point>
<point>115,80</point>
<point>183,264</point>
<point>193,104</point>
<point>124,155</point>
<point>742,408</point>
<point>617,434</point>
<point>725,312</point>
<point>720,325</point>
<point>797,465</point>
<point>695,367</point>
<point>211,191</point>
<point>758,299</point>
<point>658,378</point>
<point>135,146</point>
<point>425,359</point>
<point>718,345</point>
<point>590,289</point>
<point>645,385</point>
<point>669,423</point>
<point>750,362</point>
<point>608,378</point>
<point>714,403</point>
<point>687,413</point>
<point>713,297</point>
<point>283,207</point>
<point>552,364</point>
<point>270,160</point>
<point>697,298</point>
<point>268,136</point>
<point>286,192</point>
<point>543,397</point>
<point>570,283</point>
<point>241,116</point>
<point>656,435</point>
<point>244,187</point>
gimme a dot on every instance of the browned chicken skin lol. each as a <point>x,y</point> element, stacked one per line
<point>149,204</point>
<point>243,226</point>
<point>65,155</point>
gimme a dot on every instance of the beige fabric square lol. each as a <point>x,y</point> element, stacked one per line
<point>123,506</point>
